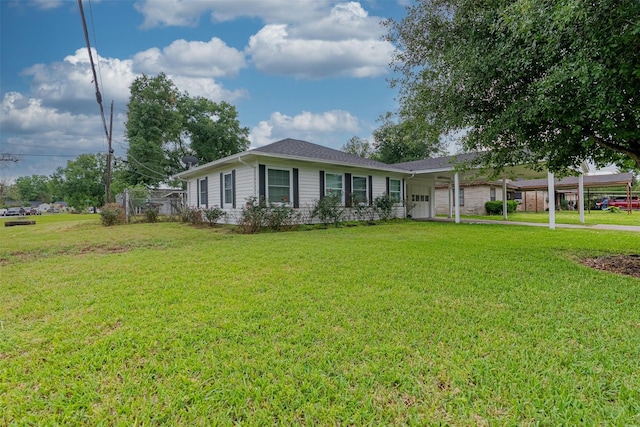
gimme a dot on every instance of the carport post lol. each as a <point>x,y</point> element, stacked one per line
<point>504,198</point>
<point>551,192</point>
<point>581,197</point>
<point>456,196</point>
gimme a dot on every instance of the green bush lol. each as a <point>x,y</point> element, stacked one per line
<point>328,209</point>
<point>151,212</point>
<point>253,215</point>
<point>495,207</point>
<point>280,216</point>
<point>213,214</point>
<point>112,214</point>
<point>192,216</point>
<point>383,205</point>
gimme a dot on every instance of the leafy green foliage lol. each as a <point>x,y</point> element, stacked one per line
<point>495,207</point>
<point>81,183</point>
<point>32,188</point>
<point>213,214</point>
<point>358,147</point>
<point>403,142</point>
<point>329,209</point>
<point>151,213</point>
<point>383,206</point>
<point>553,81</point>
<point>112,214</point>
<point>164,124</point>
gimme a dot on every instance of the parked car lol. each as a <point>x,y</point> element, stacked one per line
<point>3,212</point>
<point>622,203</point>
<point>15,212</point>
<point>31,211</point>
<point>619,202</point>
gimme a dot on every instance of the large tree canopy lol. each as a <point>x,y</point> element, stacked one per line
<point>164,124</point>
<point>82,182</point>
<point>404,141</point>
<point>555,81</point>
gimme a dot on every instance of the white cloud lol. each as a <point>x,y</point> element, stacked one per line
<point>273,51</point>
<point>306,39</point>
<point>192,58</point>
<point>187,13</point>
<point>72,80</point>
<point>306,125</point>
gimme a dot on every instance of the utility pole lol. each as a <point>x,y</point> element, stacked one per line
<point>109,155</point>
<point>99,99</point>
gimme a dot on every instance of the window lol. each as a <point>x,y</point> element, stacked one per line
<point>395,190</point>
<point>278,186</point>
<point>492,194</point>
<point>333,184</point>
<point>228,189</point>
<point>359,189</point>
<point>204,192</point>
<point>461,197</point>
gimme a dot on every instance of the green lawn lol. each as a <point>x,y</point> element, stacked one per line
<point>570,217</point>
<point>397,324</point>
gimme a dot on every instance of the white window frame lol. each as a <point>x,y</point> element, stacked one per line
<point>225,202</point>
<point>366,188</point>
<point>203,183</point>
<point>492,194</point>
<point>290,196</point>
<point>328,189</point>
<point>392,192</point>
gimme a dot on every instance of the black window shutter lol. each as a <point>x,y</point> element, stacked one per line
<point>262,183</point>
<point>233,189</point>
<point>321,185</point>
<point>370,190</point>
<point>402,196</point>
<point>296,191</point>
<point>388,186</point>
<point>347,189</point>
<point>206,193</point>
<point>197,193</point>
<point>221,190</point>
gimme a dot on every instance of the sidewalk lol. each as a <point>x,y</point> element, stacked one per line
<point>538,224</point>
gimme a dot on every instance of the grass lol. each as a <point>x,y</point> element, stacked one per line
<point>570,217</point>
<point>400,324</point>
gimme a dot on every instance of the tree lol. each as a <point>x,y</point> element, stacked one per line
<point>153,129</point>
<point>555,81</point>
<point>403,142</point>
<point>163,125</point>
<point>81,183</point>
<point>358,147</point>
<point>32,188</point>
<point>213,129</point>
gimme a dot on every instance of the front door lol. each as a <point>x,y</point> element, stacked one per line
<point>418,201</point>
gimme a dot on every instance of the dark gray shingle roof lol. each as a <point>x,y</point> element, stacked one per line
<point>436,163</point>
<point>304,149</point>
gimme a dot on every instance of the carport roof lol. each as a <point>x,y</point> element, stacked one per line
<point>572,182</point>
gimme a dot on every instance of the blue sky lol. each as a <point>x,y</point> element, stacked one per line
<point>311,69</point>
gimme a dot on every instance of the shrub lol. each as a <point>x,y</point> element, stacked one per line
<point>151,212</point>
<point>328,209</point>
<point>281,217</point>
<point>191,216</point>
<point>383,206</point>
<point>213,215</point>
<point>112,214</point>
<point>495,207</point>
<point>252,216</point>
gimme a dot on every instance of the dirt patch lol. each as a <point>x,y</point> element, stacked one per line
<point>619,264</point>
